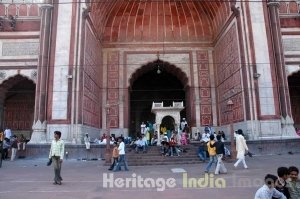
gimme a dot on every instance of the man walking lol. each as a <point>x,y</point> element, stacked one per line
<point>212,153</point>
<point>57,154</point>
<point>241,148</point>
<point>220,150</point>
<point>122,158</point>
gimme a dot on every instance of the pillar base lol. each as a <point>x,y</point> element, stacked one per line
<point>39,133</point>
<point>287,127</point>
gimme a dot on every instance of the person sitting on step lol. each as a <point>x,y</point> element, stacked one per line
<point>140,145</point>
<point>173,146</point>
<point>165,146</point>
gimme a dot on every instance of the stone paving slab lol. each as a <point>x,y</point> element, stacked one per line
<point>32,179</point>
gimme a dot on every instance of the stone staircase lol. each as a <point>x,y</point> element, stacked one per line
<point>154,157</point>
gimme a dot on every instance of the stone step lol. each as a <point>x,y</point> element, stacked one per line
<point>145,157</point>
<point>164,162</point>
<point>153,157</point>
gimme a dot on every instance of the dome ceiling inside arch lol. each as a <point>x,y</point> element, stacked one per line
<point>159,20</point>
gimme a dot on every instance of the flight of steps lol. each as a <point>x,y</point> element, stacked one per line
<point>154,157</point>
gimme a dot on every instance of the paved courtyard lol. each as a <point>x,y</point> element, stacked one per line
<point>32,179</point>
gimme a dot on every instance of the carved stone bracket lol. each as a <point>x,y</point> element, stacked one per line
<point>273,3</point>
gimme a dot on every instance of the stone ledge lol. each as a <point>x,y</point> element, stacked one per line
<point>78,151</point>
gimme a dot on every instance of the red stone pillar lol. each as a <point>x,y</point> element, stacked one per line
<point>282,82</point>
<point>40,124</point>
<point>284,96</point>
<point>2,99</point>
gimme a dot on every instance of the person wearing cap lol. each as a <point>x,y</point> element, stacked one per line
<point>241,148</point>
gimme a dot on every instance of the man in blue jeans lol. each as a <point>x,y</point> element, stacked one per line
<point>202,151</point>
<point>212,153</point>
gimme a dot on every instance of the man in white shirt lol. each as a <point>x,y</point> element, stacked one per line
<point>183,123</point>
<point>143,128</point>
<point>57,155</point>
<point>7,133</point>
<point>205,137</point>
<point>140,145</point>
<point>241,148</point>
<point>122,158</point>
<point>267,191</point>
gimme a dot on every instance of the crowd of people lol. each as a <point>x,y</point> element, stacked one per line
<point>11,144</point>
<point>284,185</point>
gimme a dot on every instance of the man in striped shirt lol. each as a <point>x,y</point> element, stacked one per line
<point>57,154</point>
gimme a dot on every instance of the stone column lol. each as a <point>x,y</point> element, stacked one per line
<point>158,134</point>
<point>2,114</point>
<point>282,83</point>
<point>40,124</point>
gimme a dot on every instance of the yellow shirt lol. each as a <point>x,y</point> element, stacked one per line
<point>211,150</point>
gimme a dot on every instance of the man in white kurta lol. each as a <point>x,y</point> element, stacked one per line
<point>241,148</point>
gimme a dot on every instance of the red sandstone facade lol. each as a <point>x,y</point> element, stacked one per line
<point>63,64</point>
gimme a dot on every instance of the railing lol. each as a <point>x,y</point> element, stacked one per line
<point>161,105</point>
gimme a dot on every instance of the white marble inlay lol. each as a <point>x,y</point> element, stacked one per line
<point>61,66</point>
<point>19,48</point>
<point>266,95</point>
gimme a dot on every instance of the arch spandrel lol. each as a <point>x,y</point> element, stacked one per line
<point>12,75</point>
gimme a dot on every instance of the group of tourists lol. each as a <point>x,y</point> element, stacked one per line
<point>216,150</point>
<point>11,144</point>
<point>286,185</point>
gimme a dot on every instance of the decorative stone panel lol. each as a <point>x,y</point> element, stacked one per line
<point>112,90</point>
<point>91,86</point>
<point>228,77</point>
<point>205,90</point>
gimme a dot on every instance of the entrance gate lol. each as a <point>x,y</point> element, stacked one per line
<point>160,112</point>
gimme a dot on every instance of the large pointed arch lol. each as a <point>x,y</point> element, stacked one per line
<point>164,20</point>
<point>17,104</point>
<point>147,86</point>
<point>164,67</point>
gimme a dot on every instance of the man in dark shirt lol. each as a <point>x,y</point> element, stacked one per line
<point>280,184</point>
<point>220,150</point>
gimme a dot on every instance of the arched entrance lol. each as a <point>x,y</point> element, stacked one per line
<point>294,88</point>
<point>18,105</point>
<point>168,122</point>
<point>148,85</point>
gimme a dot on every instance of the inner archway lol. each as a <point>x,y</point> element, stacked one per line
<point>168,123</point>
<point>18,105</point>
<point>148,85</point>
<point>294,88</point>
